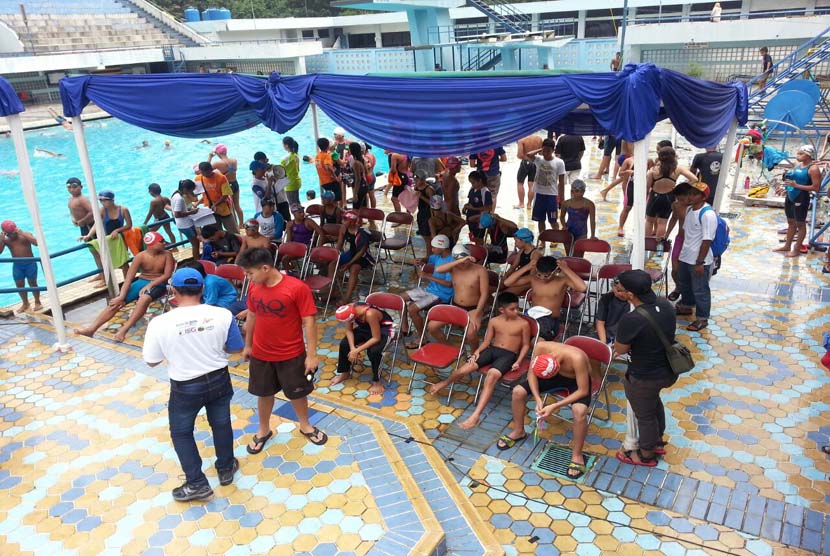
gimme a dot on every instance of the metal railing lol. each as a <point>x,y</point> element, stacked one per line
<point>67,251</point>
<point>782,69</point>
<point>726,15</point>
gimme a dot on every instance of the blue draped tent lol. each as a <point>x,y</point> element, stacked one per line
<point>424,117</point>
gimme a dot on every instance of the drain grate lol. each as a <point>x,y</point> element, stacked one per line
<point>554,460</point>
<point>730,215</point>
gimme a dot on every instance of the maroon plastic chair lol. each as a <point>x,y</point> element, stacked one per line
<point>322,256</point>
<point>209,266</point>
<point>563,237</point>
<point>511,378</point>
<point>440,355</point>
<point>396,304</point>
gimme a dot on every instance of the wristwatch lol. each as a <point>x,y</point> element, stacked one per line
<point>698,263</point>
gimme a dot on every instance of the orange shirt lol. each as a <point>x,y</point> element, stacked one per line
<point>216,187</point>
<point>320,161</point>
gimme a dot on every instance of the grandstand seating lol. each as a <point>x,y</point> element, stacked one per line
<point>81,25</point>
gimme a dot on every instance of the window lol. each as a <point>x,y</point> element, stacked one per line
<point>308,33</point>
<point>616,12</point>
<point>600,28</point>
<point>400,38</point>
<point>361,40</point>
<point>323,33</point>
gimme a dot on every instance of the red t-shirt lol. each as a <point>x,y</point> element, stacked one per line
<point>279,309</point>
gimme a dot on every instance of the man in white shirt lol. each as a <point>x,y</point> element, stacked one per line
<point>549,185</point>
<point>195,339</point>
<point>696,256</point>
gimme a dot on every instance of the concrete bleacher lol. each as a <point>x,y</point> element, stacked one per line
<point>63,7</point>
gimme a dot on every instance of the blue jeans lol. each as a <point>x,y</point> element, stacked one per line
<point>694,289</point>
<point>212,391</point>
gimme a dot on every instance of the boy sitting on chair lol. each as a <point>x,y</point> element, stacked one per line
<point>549,280</point>
<point>555,366</point>
<point>505,345</point>
<point>368,329</point>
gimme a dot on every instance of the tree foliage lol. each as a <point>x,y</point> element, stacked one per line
<point>241,9</point>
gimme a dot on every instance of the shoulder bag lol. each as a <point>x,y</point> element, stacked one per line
<point>679,356</point>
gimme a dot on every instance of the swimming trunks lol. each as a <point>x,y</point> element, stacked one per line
<point>24,271</point>
<point>498,358</point>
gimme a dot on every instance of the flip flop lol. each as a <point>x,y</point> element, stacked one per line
<point>260,441</point>
<point>674,296</point>
<point>411,345</point>
<point>826,450</point>
<point>697,325</point>
<point>573,466</point>
<point>310,435</point>
<point>625,457</point>
<point>505,442</point>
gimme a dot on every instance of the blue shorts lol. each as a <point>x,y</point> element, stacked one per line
<point>135,289</point>
<point>544,206</point>
<point>188,233</point>
<point>24,271</point>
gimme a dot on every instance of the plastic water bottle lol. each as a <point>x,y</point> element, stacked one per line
<point>746,183</point>
<point>659,249</point>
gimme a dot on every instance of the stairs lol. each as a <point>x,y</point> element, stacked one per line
<point>181,32</point>
<point>483,60</point>
<point>504,14</point>
<point>802,63</point>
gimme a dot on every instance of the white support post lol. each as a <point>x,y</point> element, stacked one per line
<point>738,164</point>
<point>314,124</point>
<point>638,211</point>
<point>725,164</point>
<point>103,246</point>
<point>27,182</point>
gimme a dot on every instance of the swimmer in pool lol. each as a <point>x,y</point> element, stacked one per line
<point>167,145</point>
<point>66,124</point>
<point>144,144</point>
<point>49,153</point>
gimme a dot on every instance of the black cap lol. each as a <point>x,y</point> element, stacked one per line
<point>268,201</point>
<point>259,155</point>
<point>73,181</point>
<point>639,283</point>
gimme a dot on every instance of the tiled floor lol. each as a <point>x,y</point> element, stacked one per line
<point>86,465</point>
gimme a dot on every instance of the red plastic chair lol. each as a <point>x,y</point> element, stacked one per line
<point>323,256</point>
<point>396,304</point>
<point>373,214</point>
<point>596,351</point>
<point>395,242</point>
<point>659,275</point>
<point>209,266</point>
<point>511,378</point>
<point>314,210</point>
<point>440,355</point>
<point>582,246</point>
<point>331,231</point>
<point>236,275</point>
<point>563,237</point>
<point>292,250</point>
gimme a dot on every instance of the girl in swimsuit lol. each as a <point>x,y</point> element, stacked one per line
<point>359,255</point>
<point>661,181</point>
<point>578,211</point>
<point>228,167</point>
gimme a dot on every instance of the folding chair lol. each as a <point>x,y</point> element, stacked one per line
<point>596,351</point>
<point>605,274</point>
<point>394,243</point>
<point>209,266</point>
<point>395,303</point>
<point>480,253</point>
<point>528,303</point>
<point>661,274</point>
<point>236,275</point>
<point>582,246</point>
<point>556,236</point>
<point>511,378</point>
<point>494,286</point>
<point>330,231</point>
<point>440,355</point>
<point>318,283</point>
<point>315,211</point>
<point>292,250</point>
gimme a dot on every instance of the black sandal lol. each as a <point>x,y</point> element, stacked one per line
<point>674,296</point>
<point>311,435</point>
<point>259,441</point>
<point>826,450</point>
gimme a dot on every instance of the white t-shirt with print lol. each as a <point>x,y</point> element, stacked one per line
<point>696,230</point>
<point>178,204</point>
<point>547,175</point>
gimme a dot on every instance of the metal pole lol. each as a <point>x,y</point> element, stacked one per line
<point>314,124</point>
<point>622,34</point>
<point>638,211</point>
<point>738,164</point>
<point>726,162</point>
<point>27,182</point>
<point>103,246</point>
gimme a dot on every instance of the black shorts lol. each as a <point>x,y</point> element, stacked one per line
<point>234,186</point>
<point>527,169</point>
<point>548,327</point>
<point>266,378</point>
<point>611,144</point>
<point>797,210</point>
<point>498,358</point>
<point>334,187</point>
<point>398,189</point>
<point>558,382</point>
<point>423,223</point>
<point>467,308</point>
<point>659,205</point>
<point>629,194</point>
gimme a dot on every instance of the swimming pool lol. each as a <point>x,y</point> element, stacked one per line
<point>119,167</point>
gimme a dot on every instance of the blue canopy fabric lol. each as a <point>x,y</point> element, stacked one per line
<point>423,117</point>
<point>9,101</point>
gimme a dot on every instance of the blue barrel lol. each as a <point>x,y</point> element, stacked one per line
<point>209,14</point>
<point>192,15</point>
<point>223,13</point>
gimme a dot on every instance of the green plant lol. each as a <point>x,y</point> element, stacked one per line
<point>695,70</point>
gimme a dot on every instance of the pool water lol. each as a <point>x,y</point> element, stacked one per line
<point>118,166</point>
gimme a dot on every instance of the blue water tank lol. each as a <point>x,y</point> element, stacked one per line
<point>209,14</point>
<point>192,15</point>
<point>223,13</point>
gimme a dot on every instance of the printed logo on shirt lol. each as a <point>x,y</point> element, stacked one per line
<point>274,307</point>
<point>193,326</point>
<point>486,159</point>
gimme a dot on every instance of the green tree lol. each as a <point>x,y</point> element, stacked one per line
<point>241,9</point>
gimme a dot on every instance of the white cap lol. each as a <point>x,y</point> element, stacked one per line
<point>460,250</point>
<point>339,131</point>
<point>440,242</point>
<point>809,150</point>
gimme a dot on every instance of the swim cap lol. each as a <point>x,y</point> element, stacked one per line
<point>486,220</point>
<point>453,163</point>
<point>524,234</point>
<point>436,202</point>
<point>8,226</point>
<point>345,313</point>
<point>221,149</point>
<point>339,131</point>
<point>545,366</point>
<point>151,238</point>
<point>460,251</point>
<point>350,215</point>
<point>809,150</point>
<point>327,195</point>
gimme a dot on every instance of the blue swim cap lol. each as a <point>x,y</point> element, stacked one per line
<point>524,234</point>
<point>487,220</point>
